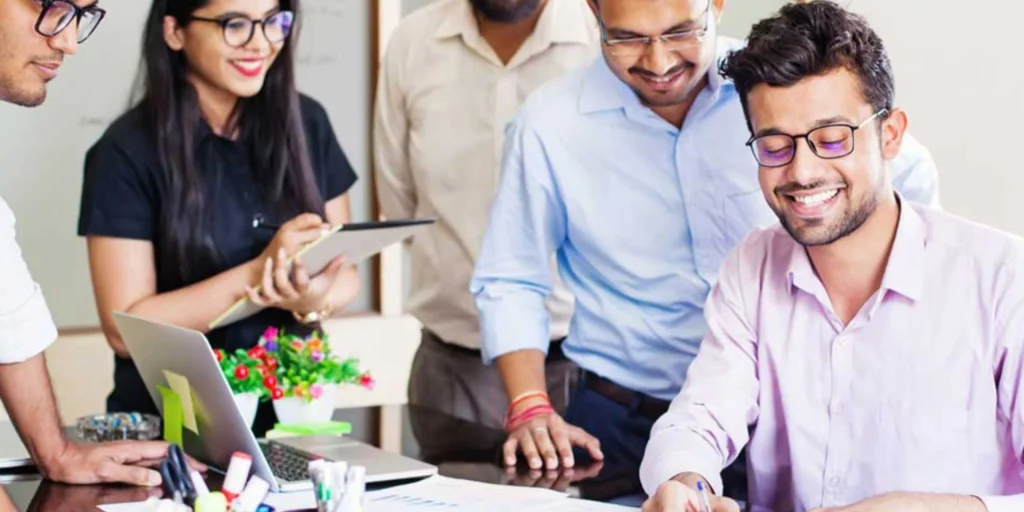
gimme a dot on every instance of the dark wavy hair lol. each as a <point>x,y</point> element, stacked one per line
<point>812,39</point>
<point>270,122</point>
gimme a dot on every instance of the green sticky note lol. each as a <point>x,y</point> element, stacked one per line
<point>172,415</point>
<point>180,386</point>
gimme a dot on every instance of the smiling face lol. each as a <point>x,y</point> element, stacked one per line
<point>28,60</point>
<point>662,74</point>
<point>235,70</point>
<point>822,200</point>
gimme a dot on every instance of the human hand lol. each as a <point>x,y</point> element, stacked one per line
<point>293,289</point>
<point>675,496</point>
<point>547,441</point>
<point>293,236</point>
<point>557,480</point>
<point>129,462</point>
<point>5,501</point>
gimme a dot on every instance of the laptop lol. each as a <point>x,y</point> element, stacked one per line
<point>13,453</point>
<point>156,347</point>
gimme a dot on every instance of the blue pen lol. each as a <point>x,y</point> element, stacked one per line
<point>703,496</point>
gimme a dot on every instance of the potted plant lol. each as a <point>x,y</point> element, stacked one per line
<point>307,375</point>
<point>249,378</point>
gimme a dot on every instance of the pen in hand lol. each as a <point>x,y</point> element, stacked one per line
<point>703,496</point>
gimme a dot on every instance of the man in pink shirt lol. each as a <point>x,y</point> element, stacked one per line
<point>869,352</point>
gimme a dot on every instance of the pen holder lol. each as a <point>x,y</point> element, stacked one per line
<point>118,426</point>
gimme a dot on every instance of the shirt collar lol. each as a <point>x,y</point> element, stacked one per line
<point>904,272</point>
<point>563,21</point>
<point>602,90</point>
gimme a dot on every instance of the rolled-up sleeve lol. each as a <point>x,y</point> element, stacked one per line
<point>26,328</point>
<point>914,173</point>
<point>513,276</point>
<point>1011,379</point>
<point>706,425</point>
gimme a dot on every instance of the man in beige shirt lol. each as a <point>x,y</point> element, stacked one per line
<point>454,74</point>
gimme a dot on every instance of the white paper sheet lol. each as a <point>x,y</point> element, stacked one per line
<point>452,495</point>
<point>583,506</point>
<point>138,506</point>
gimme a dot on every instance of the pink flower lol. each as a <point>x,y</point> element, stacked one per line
<point>297,345</point>
<point>317,356</point>
<point>270,333</point>
<point>316,391</point>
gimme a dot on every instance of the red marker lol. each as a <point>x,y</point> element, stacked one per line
<point>237,475</point>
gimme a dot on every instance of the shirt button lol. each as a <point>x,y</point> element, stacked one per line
<point>837,408</point>
<point>834,482</point>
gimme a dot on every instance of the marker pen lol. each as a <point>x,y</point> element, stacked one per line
<point>238,473</point>
<point>252,496</point>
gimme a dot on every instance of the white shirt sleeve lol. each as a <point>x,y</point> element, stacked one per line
<point>26,328</point>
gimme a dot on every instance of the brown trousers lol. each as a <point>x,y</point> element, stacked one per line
<point>455,381</point>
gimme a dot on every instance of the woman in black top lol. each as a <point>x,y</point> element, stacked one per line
<point>180,190</point>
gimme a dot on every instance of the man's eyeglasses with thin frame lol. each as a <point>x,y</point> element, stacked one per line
<point>673,41</point>
<point>58,15</point>
<point>238,30</point>
<point>829,142</point>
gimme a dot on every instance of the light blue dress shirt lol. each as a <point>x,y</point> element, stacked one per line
<point>640,214</point>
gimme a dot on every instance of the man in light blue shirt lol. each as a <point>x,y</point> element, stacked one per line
<point>635,173</point>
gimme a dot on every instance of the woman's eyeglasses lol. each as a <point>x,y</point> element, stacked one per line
<point>58,15</point>
<point>238,30</point>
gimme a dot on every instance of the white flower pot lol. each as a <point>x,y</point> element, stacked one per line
<point>291,410</point>
<point>247,404</point>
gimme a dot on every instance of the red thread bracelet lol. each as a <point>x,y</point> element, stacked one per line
<point>532,412</point>
<point>526,396</point>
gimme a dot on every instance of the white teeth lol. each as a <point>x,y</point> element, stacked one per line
<point>816,199</point>
<point>248,65</point>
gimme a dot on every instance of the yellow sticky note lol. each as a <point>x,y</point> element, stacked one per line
<point>180,386</point>
<point>172,415</point>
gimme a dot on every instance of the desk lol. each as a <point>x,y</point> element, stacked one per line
<point>459,448</point>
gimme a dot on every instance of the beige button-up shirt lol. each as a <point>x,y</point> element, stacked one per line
<point>443,100</point>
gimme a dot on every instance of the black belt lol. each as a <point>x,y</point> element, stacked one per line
<point>649,407</point>
<point>555,352</point>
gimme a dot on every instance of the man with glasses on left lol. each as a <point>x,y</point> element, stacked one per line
<point>34,38</point>
<point>634,172</point>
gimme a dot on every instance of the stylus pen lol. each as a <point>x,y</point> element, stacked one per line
<point>703,496</point>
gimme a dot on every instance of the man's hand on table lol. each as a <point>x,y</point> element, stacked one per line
<point>130,462</point>
<point>546,441</point>
<point>680,495</point>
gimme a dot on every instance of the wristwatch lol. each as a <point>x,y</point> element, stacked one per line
<point>314,316</point>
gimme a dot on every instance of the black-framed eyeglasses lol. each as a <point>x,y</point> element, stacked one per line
<point>57,15</point>
<point>238,30</point>
<point>673,41</point>
<point>829,142</point>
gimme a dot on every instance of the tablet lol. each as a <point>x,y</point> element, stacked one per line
<point>355,242</point>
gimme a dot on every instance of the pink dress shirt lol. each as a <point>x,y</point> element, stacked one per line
<point>921,392</point>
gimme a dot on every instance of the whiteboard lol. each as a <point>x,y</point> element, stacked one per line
<point>42,149</point>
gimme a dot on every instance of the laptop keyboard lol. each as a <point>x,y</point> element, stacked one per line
<point>288,464</point>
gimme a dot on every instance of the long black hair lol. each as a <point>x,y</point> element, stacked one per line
<point>270,122</point>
